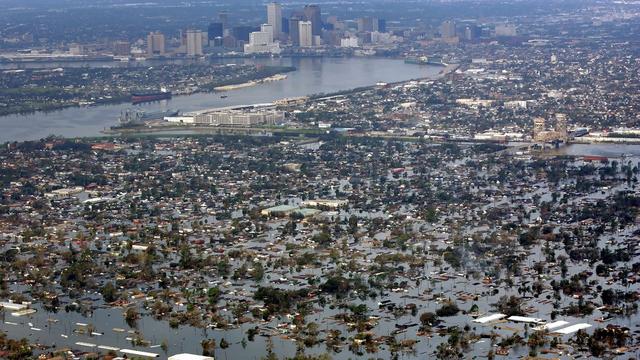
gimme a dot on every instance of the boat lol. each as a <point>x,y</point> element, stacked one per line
<point>135,118</point>
<point>223,97</point>
<point>141,97</point>
<point>425,60</point>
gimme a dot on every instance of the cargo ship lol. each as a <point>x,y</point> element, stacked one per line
<point>131,118</point>
<point>425,60</point>
<point>141,97</point>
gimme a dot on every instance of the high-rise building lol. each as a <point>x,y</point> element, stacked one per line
<point>382,25</point>
<point>242,32</point>
<point>312,14</point>
<point>267,28</point>
<point>472,32</point>
<point>155,43</point>
<point>538,127</point>
<point>215,34</point>
<point>262,41</point>
<point>223,18</point>
<point>306,33</point>
<point>294,30</point>
<point>194,43</point>
<point>121,48</point>
<point>215,30</point>
<point>448,29</point>
<point>274,18</point>
<point>561,126</point>
<point>506,30</point>
<point>365,24</point>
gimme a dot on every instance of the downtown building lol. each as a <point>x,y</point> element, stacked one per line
<point>261,42</point>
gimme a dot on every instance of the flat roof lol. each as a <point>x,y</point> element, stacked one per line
<point>571,329</point>
<point>525,319</point>
<point>490,318</point>
<point>139,353</point>
<point>186,356</point>
<point>282,208</point>
<point>551,326</point>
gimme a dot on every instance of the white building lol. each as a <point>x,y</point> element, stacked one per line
<point>351,42</point>
<point>383,38</point>
<point>194,43</point>
<point>306,33</point>
<point>269,29</point>
<point>262,41</point>
<point>240,118</point>
<point>274,18</point>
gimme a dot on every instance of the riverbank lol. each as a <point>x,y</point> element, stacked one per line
<point>324,75</point>
<point>276,77</point>
<point>46,98</point>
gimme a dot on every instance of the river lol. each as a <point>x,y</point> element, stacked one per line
<point>313,76</point>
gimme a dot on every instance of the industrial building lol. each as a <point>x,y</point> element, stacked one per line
<point>239,117</point>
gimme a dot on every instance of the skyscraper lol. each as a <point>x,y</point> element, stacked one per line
<point>194,42</point>
<point>267,28</point>
<point>306,33</point>
<point>242,32</point>
<point>223,17</point>
<point>294,30</point>
<point>121,48</point>
<point>262,41</point>
<point>382,25</point>
<point>365,24</point>
<point>448,29</point>
<point>215,30</point>
<point>312,14</point>
<point>471,32</point>
<point>274,18</point>
<point>155,43</point>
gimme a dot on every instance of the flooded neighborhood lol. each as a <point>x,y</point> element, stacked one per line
<point>377,179</point>
<point>341,246</point>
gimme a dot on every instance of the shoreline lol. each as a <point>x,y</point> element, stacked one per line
<point>276,77</point>
<point>212,88</point>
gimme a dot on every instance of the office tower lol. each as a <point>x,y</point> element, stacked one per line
<point>215,34</point>
<point>538,127</point>
<point>121,48</point>
<point>155,43</point>
<point>274,18</point>
<point>267,28</point>
<point>262,41</point>
<point>223,18</point>
<point>561,126</point>
<point>471,32</point>
<point>306,33</point>
<point>294,31</point>
<point>382,25</point>
<point>194,42</point>
<point>448,29</point>
<point>506,30</point>
<point>215,30</point>
<point>312,14</point>
<point>285,25</point>
<point>365,24</point>
<point>242,32</point>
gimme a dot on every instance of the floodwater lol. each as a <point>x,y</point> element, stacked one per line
<point>313,76</point>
